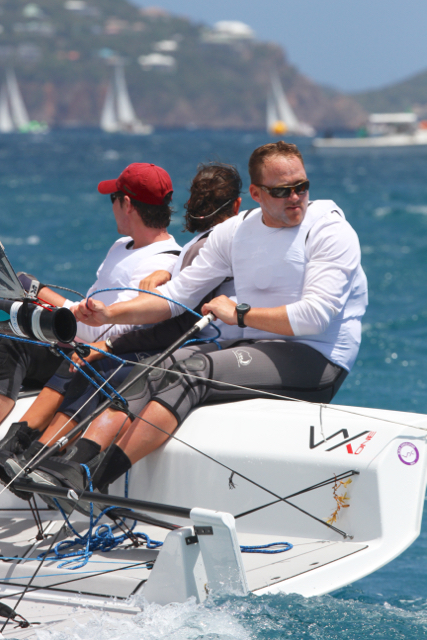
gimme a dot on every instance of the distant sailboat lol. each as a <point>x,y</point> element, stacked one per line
<point>281,118</point>
<point>118,114</point>
<point>13,114</point>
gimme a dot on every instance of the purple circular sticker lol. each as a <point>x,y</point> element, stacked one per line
<point>408,453</point>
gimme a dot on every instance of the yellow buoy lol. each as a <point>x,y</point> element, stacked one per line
<point>278,128</point>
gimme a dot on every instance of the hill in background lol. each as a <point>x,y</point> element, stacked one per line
<point>407,95</point>
<point>179,74</point>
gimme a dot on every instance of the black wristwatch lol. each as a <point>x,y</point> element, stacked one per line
<point>241,309</point>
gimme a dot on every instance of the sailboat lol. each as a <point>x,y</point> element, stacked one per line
<point>13,113</point>
<point>320,496</point>
<point>118,115</point>
<point>281,118</point>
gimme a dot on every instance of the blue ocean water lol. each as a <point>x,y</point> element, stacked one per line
<point>53,223</point>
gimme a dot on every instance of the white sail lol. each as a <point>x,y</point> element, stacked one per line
<point>118,114</point>
<point>6,123</point>
<point>280,112</point>
<point>125,113</point>
<point>108,117</point>
<point>272,115</point>
<point>284,109</point>
<point>18,110</point>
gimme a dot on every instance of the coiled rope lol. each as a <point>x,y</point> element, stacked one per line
<point>102,538</point>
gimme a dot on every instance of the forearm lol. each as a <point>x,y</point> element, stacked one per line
<point>144,309</point>
<point>53,298</point>
<point>273,320</point>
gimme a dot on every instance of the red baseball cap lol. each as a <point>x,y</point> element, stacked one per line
<point>140,181</point>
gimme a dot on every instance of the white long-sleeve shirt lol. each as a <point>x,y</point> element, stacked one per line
<point>314,269</point>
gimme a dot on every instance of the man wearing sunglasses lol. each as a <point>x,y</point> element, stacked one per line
<point>140,199</point>
<point>301,295</point>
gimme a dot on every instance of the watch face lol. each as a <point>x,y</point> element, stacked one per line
<point>242,307</point>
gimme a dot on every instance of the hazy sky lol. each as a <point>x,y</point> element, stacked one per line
<point>348,44</point>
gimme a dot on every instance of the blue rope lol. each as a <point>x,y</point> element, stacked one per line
<point>78,367</point>
<point>102,539</point>
<point>127,483</point>
<point>95,372</point>
<point>26,340</point>
<point>265,548</point>
<point>159,295</point>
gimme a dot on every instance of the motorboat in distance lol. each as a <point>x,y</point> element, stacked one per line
<point>382,130</point>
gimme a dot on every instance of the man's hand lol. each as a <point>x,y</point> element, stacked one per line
<point>92,357</point>
<point>91,312</point>
<point>223,308</point>
<point>154,280</point>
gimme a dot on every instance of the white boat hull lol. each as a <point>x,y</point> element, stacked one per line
<point>281,448</point>
<point>417,139</point>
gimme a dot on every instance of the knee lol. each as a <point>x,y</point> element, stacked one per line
<point>196,364</point>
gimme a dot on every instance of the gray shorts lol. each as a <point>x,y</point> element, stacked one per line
<point>22,363</point>
<point>288,369</point>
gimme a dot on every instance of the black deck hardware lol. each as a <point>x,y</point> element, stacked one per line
<point>10,614</point>
<point>191,539</point>
<point>104,499</point>
<point>203,531</point>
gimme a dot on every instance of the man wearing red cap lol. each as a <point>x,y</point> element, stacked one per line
<point>141,198</point>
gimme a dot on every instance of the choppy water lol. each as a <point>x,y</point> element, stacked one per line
<point>54,224</point>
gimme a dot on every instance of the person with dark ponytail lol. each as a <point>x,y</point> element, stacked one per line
<point>214,197</point>
<point>214,194</point>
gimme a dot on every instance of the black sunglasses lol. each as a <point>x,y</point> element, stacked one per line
<point>285,192</point>
<point>114,196</point>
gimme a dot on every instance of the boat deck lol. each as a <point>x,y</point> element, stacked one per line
<point>121,571</point>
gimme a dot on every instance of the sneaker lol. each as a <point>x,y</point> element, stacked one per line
<point>13,466</point>
<point>33,450</point>
<point>19,437</point>
<point>5,476</point>
<point>55,472</point>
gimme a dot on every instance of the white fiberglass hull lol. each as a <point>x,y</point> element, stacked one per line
<point>276,449</point>
<point>417,139</point>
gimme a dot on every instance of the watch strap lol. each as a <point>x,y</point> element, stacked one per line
<point>241,316</point>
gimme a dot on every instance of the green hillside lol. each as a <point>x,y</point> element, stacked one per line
<point>63,52</point>
<point>402,96</point>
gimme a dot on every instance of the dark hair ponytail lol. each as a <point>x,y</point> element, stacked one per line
<point>213,192</point>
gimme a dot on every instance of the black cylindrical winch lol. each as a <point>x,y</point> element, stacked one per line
<point>28,320</point>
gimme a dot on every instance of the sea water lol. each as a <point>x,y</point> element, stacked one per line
<point>54,224</point>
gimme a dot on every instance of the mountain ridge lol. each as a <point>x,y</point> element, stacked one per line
<point>406,95</point>
<point>63,50</point>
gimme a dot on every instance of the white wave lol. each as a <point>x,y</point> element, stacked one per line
<point>381,212</point>
<point>8,240</point>
<point>422,208</point>
<point>111,154</point>
<point>186,621</point>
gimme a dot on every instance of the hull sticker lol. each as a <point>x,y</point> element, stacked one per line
<point>408,453</point>
<point>345,435</point>
<point>364,443</point>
